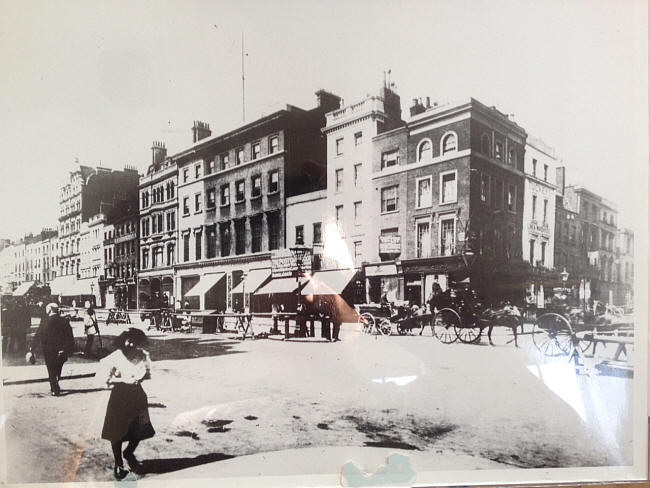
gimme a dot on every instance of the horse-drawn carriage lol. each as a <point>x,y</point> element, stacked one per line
<point>381,317</point>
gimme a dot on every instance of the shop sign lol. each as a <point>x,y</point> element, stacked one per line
<point>390,244</point>
<point>283,263</point>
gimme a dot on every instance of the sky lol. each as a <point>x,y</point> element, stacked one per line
<point>99,81</point>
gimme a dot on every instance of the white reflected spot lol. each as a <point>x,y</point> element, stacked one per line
<point>561,379</point>
<point>398,380</point>
<point>3,419</point>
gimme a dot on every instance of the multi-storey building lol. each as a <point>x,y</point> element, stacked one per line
<point>6,269</point>
<point>158,224</point>
<point>232,191</point>
<point>350,131</point>
<point>448,201</point>
<point>625,265</point>
<point>80,199</point>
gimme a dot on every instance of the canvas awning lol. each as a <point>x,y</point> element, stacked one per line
<point>330,282</point>
<point>23,288</point>
<point>254,279</point>
<point>381,270</point>
<point>281,285</point>
<point>60,284</point>
<point>204,285</point>
<point>81,288</point>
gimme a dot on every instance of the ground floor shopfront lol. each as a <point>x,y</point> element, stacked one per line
<point>155,288</point>
<point>119,293</point>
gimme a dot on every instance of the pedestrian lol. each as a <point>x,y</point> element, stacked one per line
<point>23,323</point>
<point>336,319</point>
<point>8,323</point>
<point>57,342</point>
<point>91,328</point>
<point>127,414</point>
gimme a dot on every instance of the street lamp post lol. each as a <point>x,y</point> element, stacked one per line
<point>299,253</point>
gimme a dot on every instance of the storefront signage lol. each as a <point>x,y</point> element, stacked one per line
<point>283,263</point>
<point>390,244</point>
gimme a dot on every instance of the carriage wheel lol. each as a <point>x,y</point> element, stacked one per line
<point>367,320</point>
<point>468,335</point>
<point>384,326</point>
<point>443,325</point>
<point>503,331</point>
<point>552,335</point>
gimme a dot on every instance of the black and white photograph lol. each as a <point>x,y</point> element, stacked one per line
<point>324,243</point>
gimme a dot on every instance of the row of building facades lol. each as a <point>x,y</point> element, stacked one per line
<point>455,191</point>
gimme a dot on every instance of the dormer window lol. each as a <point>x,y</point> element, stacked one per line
<point>449,143</point>
<point>425,150</point>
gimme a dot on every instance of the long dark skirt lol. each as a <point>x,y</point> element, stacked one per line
<point>127,415</point>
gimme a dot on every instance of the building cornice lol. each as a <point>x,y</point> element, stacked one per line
<point>224,261</point>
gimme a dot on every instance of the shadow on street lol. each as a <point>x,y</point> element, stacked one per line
<point>167,465</point>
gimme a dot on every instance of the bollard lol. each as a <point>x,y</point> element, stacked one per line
<point>286,327</point>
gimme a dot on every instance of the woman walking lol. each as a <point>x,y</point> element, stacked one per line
<point>127,414</point>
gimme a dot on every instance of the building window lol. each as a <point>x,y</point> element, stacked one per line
<point>156,257</point>
<point>197,171</point>
<point>273,144</point>
<point>423,234</point>
<point>512,197</point>
<point>339,179</point>
<point>389,158</point>
<point>357,174</point>
<point>224,230</point>
<point>485,145</point>
<point>197,202</point>
<point>534,167</point>
<point>498,151</point>
<point>186,205</point>
<point>339,146</point>
<point>424,195</point>
<point>198,237</point>
<point>543,260</point>
<point>447,236</point>
<point>358,253</point>
<point>211,198</point>
<point>339,214</point>
<point>357,213</point>
<point>210,167</point>
<point>170,255</point>
<point>240,236</point>
<point>274,178</point>
<point>317,233</point>
<point>145,258</point>
<point>256,150</point>
<point>240,191</point>
<point>186,175</point>
<point>534,206</point>
<point>225,195</point>
<point>497,195</point>
<point>358,138</point>
<point>485,188</point>
<point>546,172</point>
<point>531,251</point>
<point>448,187</point>
<point>274,230</point>
<point>256,234</point>
<point>171,220</point>
<point>300,235</point>
<point>239,156</point>
<point>425,150</point>
<point>389,199</point>
<point>449,143</point>
<point>225,159</point>
<point>544,215</point>
<point>512,157</point>
<point>256,186</point>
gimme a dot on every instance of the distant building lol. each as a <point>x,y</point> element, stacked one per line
<point>625,268</point>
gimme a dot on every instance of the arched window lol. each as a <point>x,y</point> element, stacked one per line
<point>498,151</point>
<point>512,157</point>
<point>449,143</point>
<point>425,150</point>
<point>485,145</point>
<point>172,190</point>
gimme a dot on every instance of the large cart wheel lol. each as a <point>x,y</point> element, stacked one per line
<point>468,335</point>
<point>384,326</point>
<point>504,330</point>
<point>367,321</point>
<point>444,324</point>
<point>552,335</point>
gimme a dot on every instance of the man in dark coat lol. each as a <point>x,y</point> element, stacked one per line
<point>57,341</point>
<point>23,323</point>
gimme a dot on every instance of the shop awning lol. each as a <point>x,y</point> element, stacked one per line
<point>204,285</point>
<point>23,288</point>
<point>80,288</point>
<point>281,285</point>
<point>330,282</point>
<point>381,270</point>
<point>254,279</point>
<point>60,285</point>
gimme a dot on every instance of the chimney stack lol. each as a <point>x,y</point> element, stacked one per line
<point>328,101</point>
<point>417,107</point>
<point>158,152</point>
<point>200,130</point>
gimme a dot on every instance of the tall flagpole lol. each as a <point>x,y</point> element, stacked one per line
<point>243,89</point>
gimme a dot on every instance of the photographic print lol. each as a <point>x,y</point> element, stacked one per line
<point>324,243</point>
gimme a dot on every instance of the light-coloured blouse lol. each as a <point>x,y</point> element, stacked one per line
<point>116,368</point>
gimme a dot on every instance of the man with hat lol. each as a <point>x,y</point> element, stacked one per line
<point>56,339</point>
